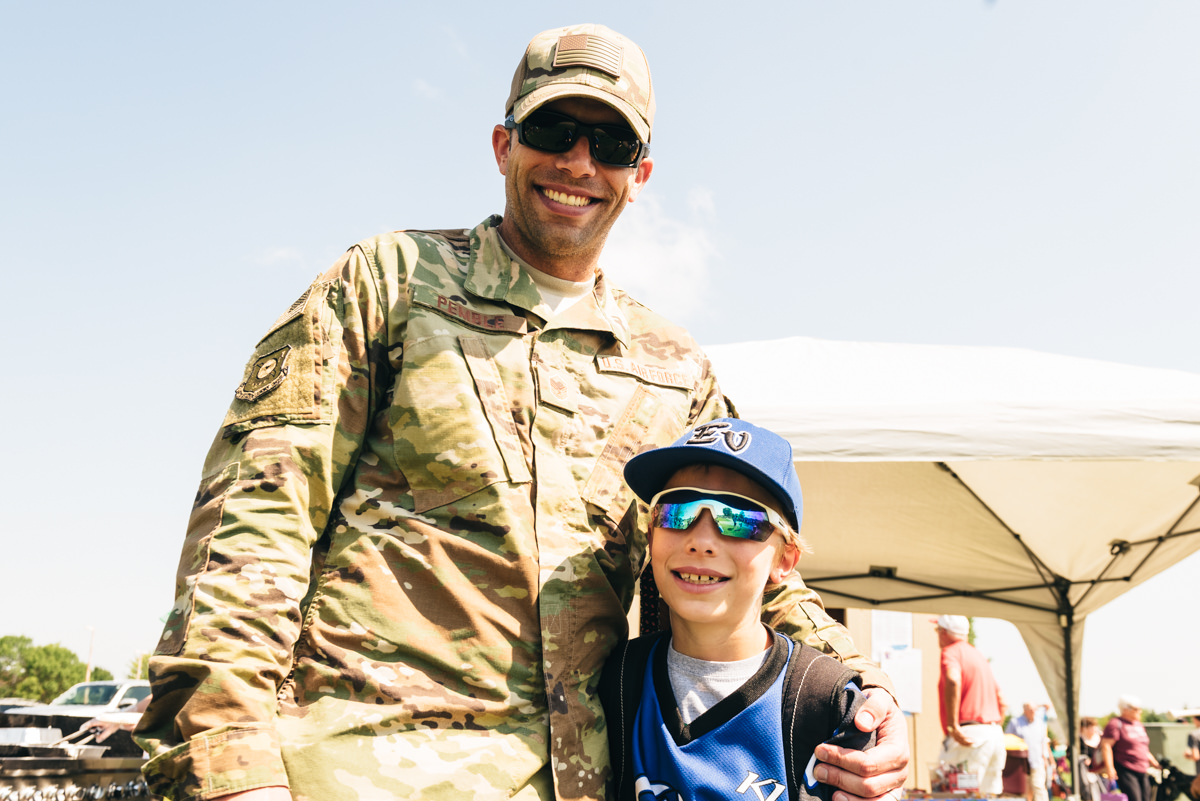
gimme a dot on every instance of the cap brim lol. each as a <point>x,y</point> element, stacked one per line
<point>647,473</point>
<point>545,94</point>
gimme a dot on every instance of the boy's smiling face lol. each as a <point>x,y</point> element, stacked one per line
<point>712,583</point>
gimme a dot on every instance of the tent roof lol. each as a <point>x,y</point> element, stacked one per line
<point>893,402</point>
<point>982,481</point>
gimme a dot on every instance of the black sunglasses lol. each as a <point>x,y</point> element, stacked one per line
<point>551,132</point>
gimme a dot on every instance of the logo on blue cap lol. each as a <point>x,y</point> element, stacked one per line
<point>720,431</point>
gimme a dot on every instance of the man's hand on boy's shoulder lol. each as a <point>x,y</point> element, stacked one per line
<point>871,774</point>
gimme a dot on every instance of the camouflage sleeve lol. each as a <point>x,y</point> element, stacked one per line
<point>287,443</point>
<point>798,611</point>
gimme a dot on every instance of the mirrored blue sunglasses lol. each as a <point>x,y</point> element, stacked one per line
<point>735,515</point>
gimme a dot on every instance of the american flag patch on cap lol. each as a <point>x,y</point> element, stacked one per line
<point>586,50</point>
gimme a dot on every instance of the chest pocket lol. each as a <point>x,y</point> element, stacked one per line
<point>452,415</point>
<point>654,416</point>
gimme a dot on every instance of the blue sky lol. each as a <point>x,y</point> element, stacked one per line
<point>936,171</point>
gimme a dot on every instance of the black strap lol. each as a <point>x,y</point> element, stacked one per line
<point>621,690</point>
<point>815,703</point>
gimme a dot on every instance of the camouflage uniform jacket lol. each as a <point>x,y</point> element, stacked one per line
<point>376,599</point>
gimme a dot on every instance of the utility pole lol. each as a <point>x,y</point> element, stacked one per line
<point>87,676</point>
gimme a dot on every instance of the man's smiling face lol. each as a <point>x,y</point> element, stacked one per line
<point>559,207</point>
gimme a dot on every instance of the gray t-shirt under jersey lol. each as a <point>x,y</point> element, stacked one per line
<point>698,684</point>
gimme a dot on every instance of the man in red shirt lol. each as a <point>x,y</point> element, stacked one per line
<point>971,707</point>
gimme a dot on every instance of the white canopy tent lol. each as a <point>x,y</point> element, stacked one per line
<point>995,482</point>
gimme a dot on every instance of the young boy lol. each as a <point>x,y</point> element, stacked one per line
<point>699,712</point>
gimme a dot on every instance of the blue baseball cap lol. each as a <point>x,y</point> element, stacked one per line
<point>748,449</point>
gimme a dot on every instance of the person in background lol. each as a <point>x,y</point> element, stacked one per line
<point>971,707</point>
<point>110,723</point>
<point>1030,726</point>
<point>1060,770</point>
<point>1089,742</point>
<point>1192,752</point>
<point>1125,750</point>
<point>1091,786</point>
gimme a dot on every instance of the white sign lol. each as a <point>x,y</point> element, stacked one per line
<point>890,631</point>
<point>903,665</point>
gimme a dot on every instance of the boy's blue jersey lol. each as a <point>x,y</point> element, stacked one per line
<point>733,751</point>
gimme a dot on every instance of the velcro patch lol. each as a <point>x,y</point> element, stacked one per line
<point>267,373</point>
<point>284,377</point>
<point>589,50</point>
<point>650,373</point>
<point>294,311</point>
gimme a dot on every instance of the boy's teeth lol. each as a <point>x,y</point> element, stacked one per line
<point>698,579</point>
<point>569,200</point>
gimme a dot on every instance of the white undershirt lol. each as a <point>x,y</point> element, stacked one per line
<point>699,684</point>
<point>557,293</point>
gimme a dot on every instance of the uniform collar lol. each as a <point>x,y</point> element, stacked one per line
<point>493,274</point>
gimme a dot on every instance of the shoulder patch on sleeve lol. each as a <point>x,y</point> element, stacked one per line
<point>265,374</point>
<point>283,378</point>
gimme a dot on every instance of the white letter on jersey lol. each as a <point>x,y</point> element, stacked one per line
<point>759,787</point>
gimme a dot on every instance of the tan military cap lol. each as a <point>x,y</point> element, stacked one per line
<point>585,61</point>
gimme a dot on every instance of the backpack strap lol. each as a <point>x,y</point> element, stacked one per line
<point>621,693</point>
<point>820,696</point>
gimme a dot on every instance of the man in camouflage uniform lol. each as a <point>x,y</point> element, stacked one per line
<point>412,547</point>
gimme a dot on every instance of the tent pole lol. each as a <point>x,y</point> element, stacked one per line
<point>1066,619</point>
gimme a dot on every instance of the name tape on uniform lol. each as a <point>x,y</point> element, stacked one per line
<point>458,309</point>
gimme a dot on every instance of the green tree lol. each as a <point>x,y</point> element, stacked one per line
<point>12,663</point>
<point>40,672</point>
